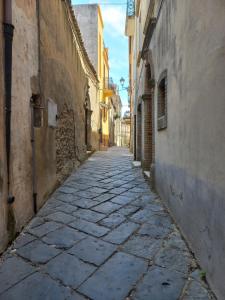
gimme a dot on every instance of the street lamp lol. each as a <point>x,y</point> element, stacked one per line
<point>127,88</point>
<point>122,81</point>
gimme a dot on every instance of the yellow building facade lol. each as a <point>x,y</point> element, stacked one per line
<point>104,89</point>
<point>91,24</point>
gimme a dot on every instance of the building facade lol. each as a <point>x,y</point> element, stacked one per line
<point>177,91</point>
<point>48,95</point>
<point>3,165</point>
<point>91,24</point>
<point>115,108</point>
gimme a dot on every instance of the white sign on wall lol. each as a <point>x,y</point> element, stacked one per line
<point>52,113</point>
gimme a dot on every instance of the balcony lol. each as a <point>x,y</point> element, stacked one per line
<point>129,27</point>
<point>130,8</point>
<point>108,87</point>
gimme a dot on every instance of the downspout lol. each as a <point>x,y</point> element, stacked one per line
<point>34,182</point>
<point>8,35</point>
<point>35,104</point>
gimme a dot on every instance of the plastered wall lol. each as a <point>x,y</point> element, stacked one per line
<point>189,42</point>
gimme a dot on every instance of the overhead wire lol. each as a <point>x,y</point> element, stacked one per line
<point>101,3</point>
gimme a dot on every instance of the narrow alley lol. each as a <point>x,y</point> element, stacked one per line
<point>103,235</point>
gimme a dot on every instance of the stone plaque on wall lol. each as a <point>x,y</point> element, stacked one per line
<point>52,113</point>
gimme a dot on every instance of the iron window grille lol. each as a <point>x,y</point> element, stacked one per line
<point>162,101</point>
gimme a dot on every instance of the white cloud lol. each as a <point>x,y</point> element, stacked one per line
<point>114,19</point>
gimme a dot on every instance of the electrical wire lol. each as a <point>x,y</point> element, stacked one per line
<point>101,3</point>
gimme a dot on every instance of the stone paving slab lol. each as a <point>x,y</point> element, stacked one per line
<point>37,287</point>
<point>107,207</point>
<point>12,271</point>
<point>65,198</point>
<point>37,221</point>
<point>128,210</point>
<point>121,200</point>
<point>104,197</point>
<point>142,216</point>
<point>43,229</point>
<point>115,278</point>
<point>113,220</point>
<point>89,215</point>
<point>195,291</point>
<point>60,217</point>
<point>64,237</point>
<point>37,252</point>
<point>89,228</point>
<point>85,203</point>
<point>93,250</point>
<point>103,235</point>
<point>142,246</point>
<point>154,231</point>
<point>173,259</point>
<point>69,269</point>
<point>76,296</point>
<point>118,191</point>
<point>23,240</point>
<point>67,208</point>
<point>161,284</point>
<point>121,233</point>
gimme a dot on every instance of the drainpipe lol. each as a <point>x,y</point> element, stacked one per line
<point>35,105</point>
<point>8,35</point>
<point>33,101</point>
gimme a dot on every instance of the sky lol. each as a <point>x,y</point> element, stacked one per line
<point>114,15</point>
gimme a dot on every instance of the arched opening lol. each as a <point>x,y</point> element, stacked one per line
<point>148,144</point>
<point>88,112</point>
<point>139,132</point>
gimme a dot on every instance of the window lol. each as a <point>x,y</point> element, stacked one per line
<point>104,114</point>
<point>162,101</point>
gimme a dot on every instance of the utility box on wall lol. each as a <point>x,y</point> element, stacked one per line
<point>52,113</point>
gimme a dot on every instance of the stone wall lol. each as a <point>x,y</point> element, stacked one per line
<point>3,174</point>
<point>66,156</point>
<point>64,82</point>
<point>188,42</point>
<point>24,70</point>
<point>46,67</point>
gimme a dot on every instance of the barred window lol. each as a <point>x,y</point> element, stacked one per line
<point>162,101</point>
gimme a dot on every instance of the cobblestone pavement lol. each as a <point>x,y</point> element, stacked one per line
<point>103,235</point>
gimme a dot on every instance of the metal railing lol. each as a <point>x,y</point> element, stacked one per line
<point>130,8</point>
<point>108,83</point>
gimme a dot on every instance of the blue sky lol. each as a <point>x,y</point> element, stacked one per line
<point>114,25</point>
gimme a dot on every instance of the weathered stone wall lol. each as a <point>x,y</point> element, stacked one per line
<point>64,82</point>
<point>3,174</point>
<point>190,168</point>
<point>24,70</point>
<point>66,156</point>
<point>59,144</point>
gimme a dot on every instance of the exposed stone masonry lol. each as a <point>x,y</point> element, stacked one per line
<point>66,159</point>
<point>102,235</point>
